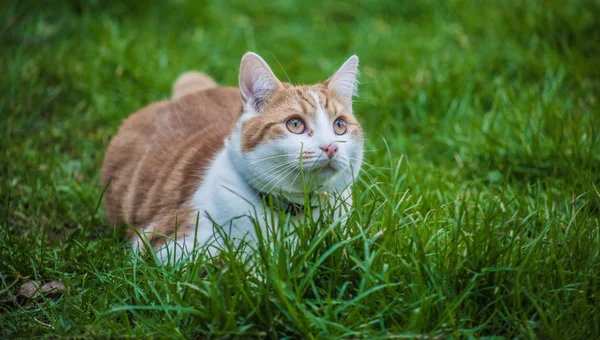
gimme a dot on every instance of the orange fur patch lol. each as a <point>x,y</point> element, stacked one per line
<point>160,154</point>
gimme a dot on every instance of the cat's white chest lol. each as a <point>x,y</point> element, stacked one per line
<point>223,201</point>
<point>224,198</point>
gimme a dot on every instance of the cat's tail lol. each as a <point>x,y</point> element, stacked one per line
<point>191,82</point>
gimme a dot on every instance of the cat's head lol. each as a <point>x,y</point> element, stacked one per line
<point>292,136</point>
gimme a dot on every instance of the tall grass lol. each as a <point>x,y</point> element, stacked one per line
<point>477,214</point>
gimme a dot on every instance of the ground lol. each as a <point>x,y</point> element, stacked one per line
<point>477,213</point>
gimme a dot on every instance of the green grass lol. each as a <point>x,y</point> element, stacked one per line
<point>481,217</point>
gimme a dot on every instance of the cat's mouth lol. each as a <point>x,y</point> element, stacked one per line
<point>330,166</point>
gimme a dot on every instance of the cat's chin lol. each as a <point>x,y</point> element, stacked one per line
<point>327,171</point>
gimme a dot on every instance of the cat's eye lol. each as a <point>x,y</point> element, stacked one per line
<point>296,125</point>
<point>339,126</point>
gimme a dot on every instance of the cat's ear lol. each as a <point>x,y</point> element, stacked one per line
<point>257,81</point>
<point>343,82</point>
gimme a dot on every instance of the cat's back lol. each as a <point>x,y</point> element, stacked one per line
<point>159,154</point>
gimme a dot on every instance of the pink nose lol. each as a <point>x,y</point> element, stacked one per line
<point>330,150</point>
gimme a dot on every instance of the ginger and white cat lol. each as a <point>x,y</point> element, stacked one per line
<point>212,154</point>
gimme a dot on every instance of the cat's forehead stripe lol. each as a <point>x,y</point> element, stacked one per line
<point>326,105</point>
<point>315,98</point>
<point>303,107</point>
<point>312,99</point>
<point>331,107</point>
<point>302,99</point>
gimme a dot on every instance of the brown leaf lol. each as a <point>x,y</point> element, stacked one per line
<point>32,289</point>
<point>29,290</point>
<point>54,288</point>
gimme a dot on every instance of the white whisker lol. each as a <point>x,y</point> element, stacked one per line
<point>273,170</point>
<point>266,158</point>
<point>282,176</point>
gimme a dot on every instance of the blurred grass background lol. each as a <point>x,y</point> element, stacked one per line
<point>482,120</point>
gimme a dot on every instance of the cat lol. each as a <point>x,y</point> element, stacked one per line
<point>215,155</point>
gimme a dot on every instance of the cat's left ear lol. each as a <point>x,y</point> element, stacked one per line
<point>343,82</point>
<point>257,81</point>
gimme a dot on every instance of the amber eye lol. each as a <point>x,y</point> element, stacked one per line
<point>339,126</point>
<point>295,125</point>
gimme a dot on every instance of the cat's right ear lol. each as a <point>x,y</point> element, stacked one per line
<point>257,81</point>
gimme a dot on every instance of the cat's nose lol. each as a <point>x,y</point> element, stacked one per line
<point>330,150</point>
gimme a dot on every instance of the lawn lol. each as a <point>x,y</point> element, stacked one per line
<point>477,213</point>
